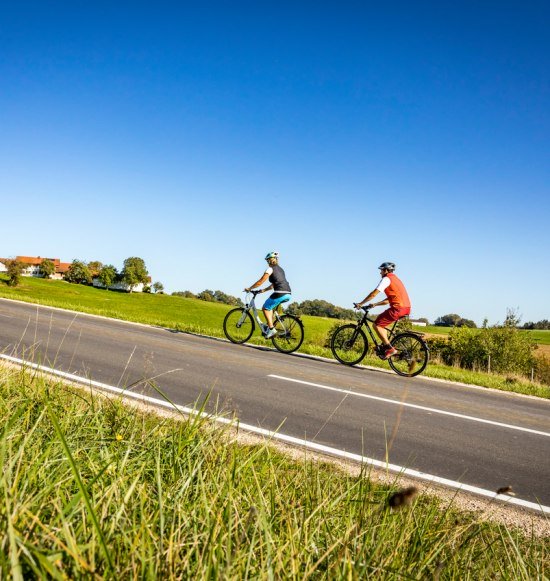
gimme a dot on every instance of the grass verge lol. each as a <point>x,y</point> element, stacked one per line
<point>195,316</point>
<point>92,488</point>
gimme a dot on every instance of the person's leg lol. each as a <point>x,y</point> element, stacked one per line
<point>268,314</point>
<point>382,321</point>
<point>382,333</point>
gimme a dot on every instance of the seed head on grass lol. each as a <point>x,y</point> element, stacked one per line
<point>402,498</point>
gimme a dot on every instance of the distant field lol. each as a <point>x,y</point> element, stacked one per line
<point>196,316</point>
<point>540,337</point>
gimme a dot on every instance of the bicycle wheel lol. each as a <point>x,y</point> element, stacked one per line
<point>290,333</point>
<point>238,325</point>
<point>412,356</point>
<point>349,344</point>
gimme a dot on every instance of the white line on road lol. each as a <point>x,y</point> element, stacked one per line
<point>411,405</point>
<point>290,439</point>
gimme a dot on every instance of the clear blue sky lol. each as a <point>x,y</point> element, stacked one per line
<point>199,136</point>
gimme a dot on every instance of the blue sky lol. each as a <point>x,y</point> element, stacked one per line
<point>199,136</point>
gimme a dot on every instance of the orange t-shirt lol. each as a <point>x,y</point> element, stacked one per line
<point>396,293</point>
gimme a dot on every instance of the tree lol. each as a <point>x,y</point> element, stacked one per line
<point>512,318</point>
<point>448,320</point>
<point>14,271</point>
<point>466,323</point>
<point>78,273</point>
<point>206,295</point>
<point>185,294</point>
<point>107,275</point>
<point>47,267</point>
<point>158,287</point>
<point>95,267</point>
<point>134,271</point>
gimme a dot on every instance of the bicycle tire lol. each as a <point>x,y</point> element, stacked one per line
<point>290,334</point>
<point>349,344</point>
<point>412,357</point>
<point>236,328</point>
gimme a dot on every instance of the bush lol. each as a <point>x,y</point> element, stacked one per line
<point>542,369</point>
<point>14,271</point>
<point>498,349</point>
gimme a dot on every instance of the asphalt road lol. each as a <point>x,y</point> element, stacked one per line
<point>475,436</point>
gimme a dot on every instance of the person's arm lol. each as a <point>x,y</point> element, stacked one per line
<point>369,297</point>
<point>384,283</point>
<point>259,282</point>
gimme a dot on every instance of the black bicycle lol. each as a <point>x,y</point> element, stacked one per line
<point>349,344</point>
<point>239,325</point>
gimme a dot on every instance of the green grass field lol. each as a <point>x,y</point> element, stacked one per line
<point>541,337</point>
<point>192,315</point>
<point>92,488</point>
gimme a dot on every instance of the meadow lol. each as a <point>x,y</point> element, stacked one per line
<point>93,488</point>
<point>196,316</point>
<point>538,336</point>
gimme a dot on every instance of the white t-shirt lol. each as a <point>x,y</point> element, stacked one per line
<point>383,284</point>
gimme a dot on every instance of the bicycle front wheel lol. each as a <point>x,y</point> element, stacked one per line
<point>412,356</point>
<point>238,325</point>
<point>349,344</point>
<point>290,333</point>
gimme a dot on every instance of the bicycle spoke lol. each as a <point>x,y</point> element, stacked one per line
<point>412,356</point>
<point>349,344</point>
<point>238,325</point>
<point>290,334</point>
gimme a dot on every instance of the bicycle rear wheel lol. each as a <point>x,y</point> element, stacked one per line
<point>349,344</point>
<point>290,333</point>
<point>412,356</point>
<point>238,325</point>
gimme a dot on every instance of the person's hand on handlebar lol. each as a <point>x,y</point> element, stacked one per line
<point>360,306</point>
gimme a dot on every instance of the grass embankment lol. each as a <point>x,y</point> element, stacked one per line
<point>92,489</point>
<point>197,316</point>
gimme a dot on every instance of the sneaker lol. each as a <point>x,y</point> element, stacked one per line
<point>272,332</point>
<point>390,352</point>
<point>264,328</point>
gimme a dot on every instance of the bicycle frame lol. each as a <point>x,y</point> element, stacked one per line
<point>364,322</point>
<point>251,306</point>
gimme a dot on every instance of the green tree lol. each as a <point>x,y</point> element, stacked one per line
<point>134,271</point>
<point>95,267</point>
<point>185,294</point>
<point>466,323</point>
<point>14,271</point>
<point>78,273</point>
<point>158,287</point>
<point>448,320</point>
<point>47,267</point>
<point>206,295</point>
<point>107,275</point>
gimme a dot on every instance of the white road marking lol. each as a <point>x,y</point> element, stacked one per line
<point>411,405</point>
<point>291,439</point>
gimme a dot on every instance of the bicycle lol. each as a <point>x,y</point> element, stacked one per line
<point>239,325</point>
<point>349,345</point>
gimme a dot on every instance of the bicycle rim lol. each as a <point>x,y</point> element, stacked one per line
<point>238,326</point>
<point>412,356</point>
<point>349,344</point>
<point>290,334</point>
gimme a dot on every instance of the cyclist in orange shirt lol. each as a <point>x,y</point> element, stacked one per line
<point>396,297</point>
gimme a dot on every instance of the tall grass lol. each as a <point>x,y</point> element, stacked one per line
<point>94,489</point>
